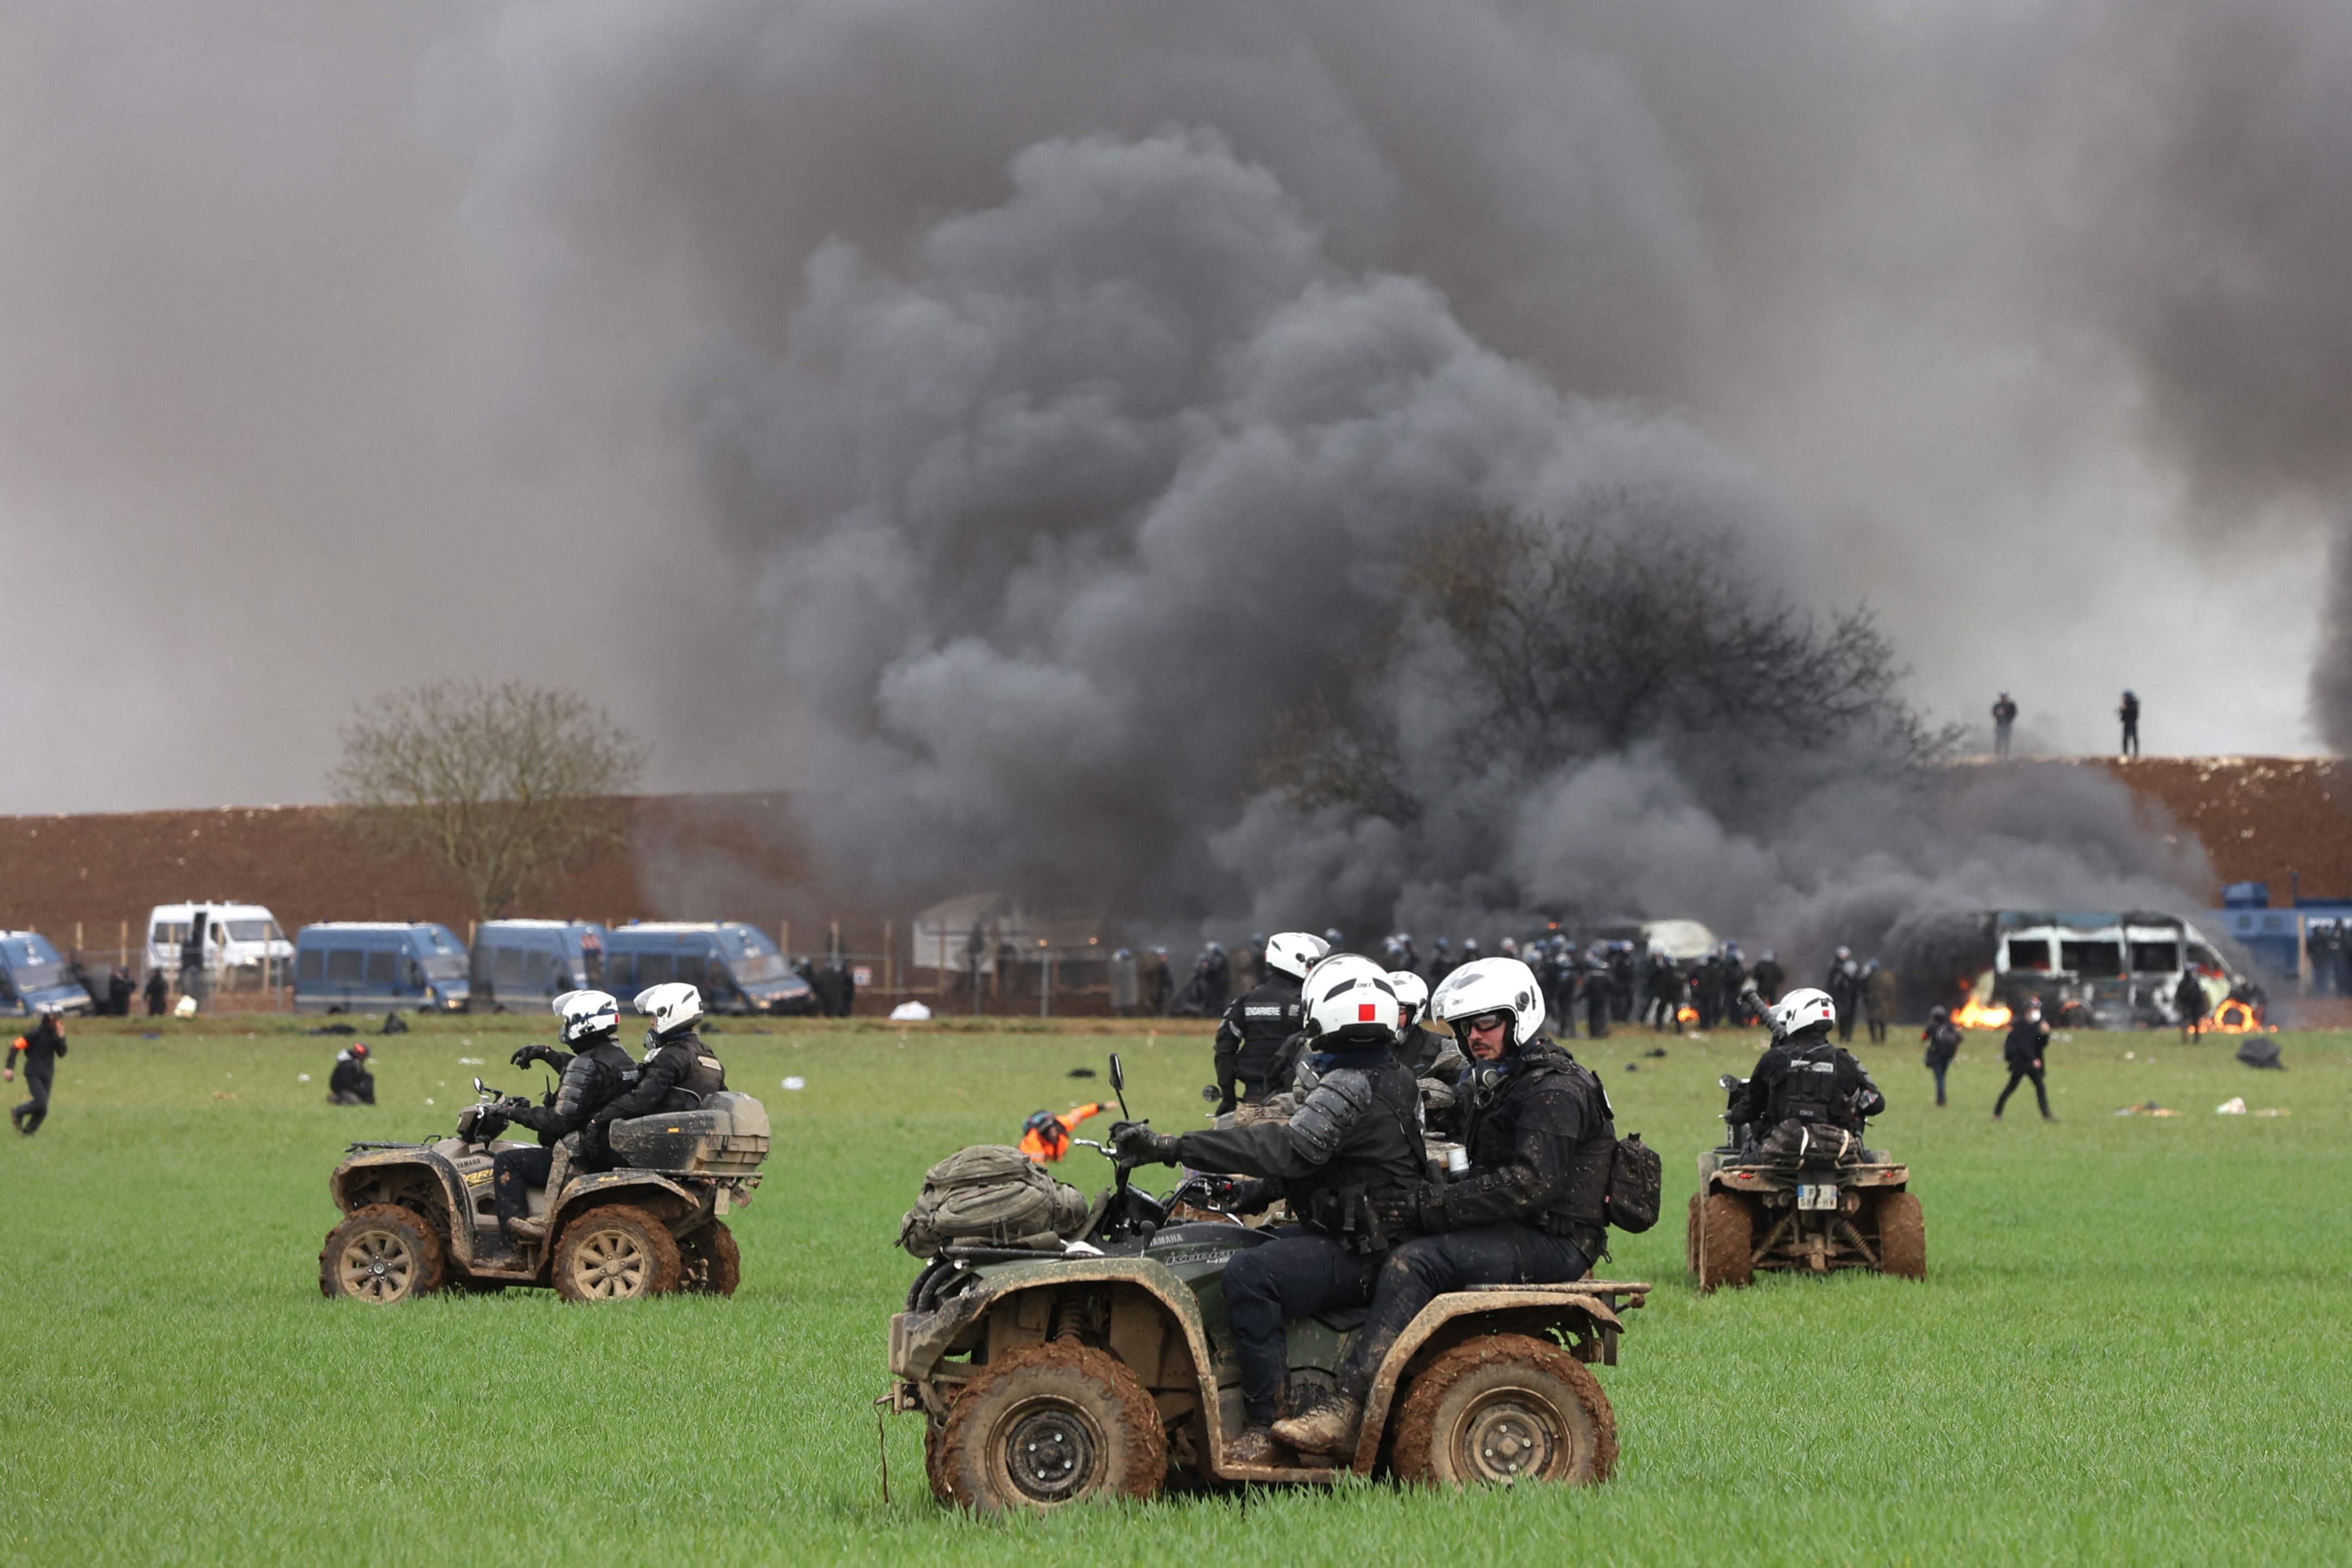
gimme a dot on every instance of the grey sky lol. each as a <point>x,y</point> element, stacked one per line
<point>352,346</point>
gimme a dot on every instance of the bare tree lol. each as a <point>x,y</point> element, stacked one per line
<point>1582,635</point>
<point>502,783</point>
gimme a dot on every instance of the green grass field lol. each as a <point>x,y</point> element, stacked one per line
<point>2132,1346</point>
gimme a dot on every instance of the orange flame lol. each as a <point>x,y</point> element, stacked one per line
<point>1687,1014</point>
<point>1969,1015</point>
<point>2234,1017</point>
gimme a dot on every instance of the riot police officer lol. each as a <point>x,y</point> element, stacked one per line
<point>679,1071</point>
<point>1250,1038</point>
<point>1349,1161</point>
<point>596,1071</point>
<point>1531,1209</point>
<point>1805,1089</point>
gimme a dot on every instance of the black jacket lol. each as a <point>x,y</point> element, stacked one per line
<point>1808,1080</point>
<point>2023,1047</point>
<point>1540,1136</point>
<point>1349,1160</point>
<point>1943,1043</point>
<point>350,1075</point>
<point>677,1077</point>
<point>41,1049</point>
<point>1249,1041</point>
<point>591,1080</point>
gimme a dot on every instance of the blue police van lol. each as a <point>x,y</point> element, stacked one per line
<point>738,968</point>
<point>33,978</point>
<point>522,964</point>
<point>371,965</point>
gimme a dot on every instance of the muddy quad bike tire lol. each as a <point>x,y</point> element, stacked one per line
<point>1054,1423</point>
<point>1690,1238</point>
<point>1505,1409</point>
<point>714,1264</point>
<point>1902,1237</point>
<point>1727,1240</point>
<point>382,1253</point>
<point>616,1253</point>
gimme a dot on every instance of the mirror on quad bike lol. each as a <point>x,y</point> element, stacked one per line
<point>1730,1082</point>
<point>481,1088</point>
<point>1118,1084</point>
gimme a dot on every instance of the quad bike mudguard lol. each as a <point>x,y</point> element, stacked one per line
<point>1178,1359</point>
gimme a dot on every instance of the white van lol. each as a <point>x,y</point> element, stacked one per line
<point>238,938</point>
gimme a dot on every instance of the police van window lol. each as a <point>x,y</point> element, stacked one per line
<point>540,961</point>
<point>508,970</point>
<point>383,967</point>
<point>2154,958</point>
<point>618,967</point>
<point>653,969</point>
<point>2029,953</point>
<point>2094,958</point>
<point>307,964</point>
<point>343,965</point>
<point>249,930</point>
<point>749,954</point>
<point>169,933</point>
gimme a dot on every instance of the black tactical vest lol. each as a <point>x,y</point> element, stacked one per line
<point>1808,1090</point>
<point>704,1075</point>
<point>1266,1016</point>
<point>593,1079</point>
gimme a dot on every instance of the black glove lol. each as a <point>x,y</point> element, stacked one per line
<point>1241,1195</point>
<point>1135,1144</point>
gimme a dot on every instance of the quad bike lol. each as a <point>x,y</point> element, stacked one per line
<point>1819,1210</point>
<point>420,1217</point>
<point>1108,1369</point>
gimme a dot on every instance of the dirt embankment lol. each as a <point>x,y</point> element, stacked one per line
<point>2285,821</point>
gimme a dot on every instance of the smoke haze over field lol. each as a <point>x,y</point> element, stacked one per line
<point>990,415</point>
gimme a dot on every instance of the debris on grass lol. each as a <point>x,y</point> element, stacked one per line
<point>2150,1109</point>
<point>301,1078</point>
<point>2236,1105</point>
<point>795,1082</point>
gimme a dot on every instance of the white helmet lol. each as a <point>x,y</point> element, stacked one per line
<point>1413,996</point>
<point>1351,1001</point>
<point>1294,952</point>
<point>1801,1011</point>
<point>671,1006</point>
<point>1492,986</point>
<point>587,1013</point>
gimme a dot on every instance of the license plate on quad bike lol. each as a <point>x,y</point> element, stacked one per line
<point>1824,1196</point>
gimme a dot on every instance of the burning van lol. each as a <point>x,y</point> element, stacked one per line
<point>2096,969</point>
